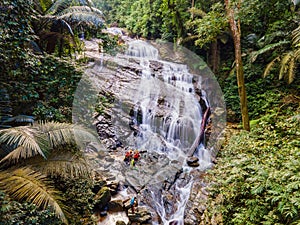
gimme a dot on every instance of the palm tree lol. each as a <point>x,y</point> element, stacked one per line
<point>288,60</point>
<point>31,156</point>
<point>58,20</point>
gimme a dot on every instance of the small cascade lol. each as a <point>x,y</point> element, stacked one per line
<point>142,49</point>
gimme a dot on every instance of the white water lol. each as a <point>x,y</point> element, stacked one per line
<point>173,132</point>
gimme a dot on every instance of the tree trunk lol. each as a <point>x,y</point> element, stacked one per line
<point>215,57</point>
<point>235,27</point>
<point>193,4</point>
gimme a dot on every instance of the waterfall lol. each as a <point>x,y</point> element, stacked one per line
<point>166,106</point>
<point>159,102</point>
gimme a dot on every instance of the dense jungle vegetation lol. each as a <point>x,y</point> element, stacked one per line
<point>256,179</point>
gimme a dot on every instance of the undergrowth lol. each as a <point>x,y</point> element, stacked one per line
<point>257,178</point>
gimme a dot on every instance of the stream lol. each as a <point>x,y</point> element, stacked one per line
<point>158,96</point>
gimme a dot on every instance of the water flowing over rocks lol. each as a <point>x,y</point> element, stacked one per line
<point>157,107</point>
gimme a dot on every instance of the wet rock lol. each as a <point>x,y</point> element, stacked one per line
<point>141,215</point>
<point>102,198</point>
<point>196,164</point>
<point>113,187</point>
<point>120,222</point>
<point>115,206</point>
<point>155,65</point>
<point>110,178</point>
<point>196,204</point>
<point>109,159</point>
<point>193,161</point>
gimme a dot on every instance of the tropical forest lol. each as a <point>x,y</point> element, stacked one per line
<point>155,112</point>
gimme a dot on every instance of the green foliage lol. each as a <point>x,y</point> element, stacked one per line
<point>32,158</point>
<point>45,88</point>
<point>79,196</point>
<point>104,102</point>
<point>42,85</point>
<point>15,213</point>
<point>210,26</point>
<point>265,16</point>
<point>15,32</point>
<point>154,19</point>
<point>256,180</point>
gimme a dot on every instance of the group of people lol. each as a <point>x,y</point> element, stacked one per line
<point>132,157</point>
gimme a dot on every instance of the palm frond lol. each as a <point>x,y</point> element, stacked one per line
<point>270,66</point>
<point>83,17</point>
<point>269,38</point>
<point>62,163</point>
<point>82,9</point>
<point>291,73</point>
<point>89,3</point>
<point>59,134</point>
<point>285,64</point>
<point>265,49</point>
<point>58,6</point>
<point>20,119</point>
<point>26,184</point>
<point>296,37</point>
<point>22,141</point>
<point>297,54</point>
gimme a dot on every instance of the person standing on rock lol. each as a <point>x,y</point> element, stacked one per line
<point>128,156</point>
<point>133,203</point>
<point>136,156</point>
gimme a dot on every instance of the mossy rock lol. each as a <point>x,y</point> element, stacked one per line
<point>102,198</point>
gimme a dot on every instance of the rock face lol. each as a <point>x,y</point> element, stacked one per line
<point>195,206</point>
<point>102,198</point>
<point>142,215</point>
<point>154,174</point>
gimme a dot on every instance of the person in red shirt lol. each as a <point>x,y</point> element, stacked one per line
<point>128,156</point>
<point>136,156</point>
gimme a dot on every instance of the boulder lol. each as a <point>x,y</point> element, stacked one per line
<point>196,164</point>
<point>119,222</point>
<point>193,161</point>
<point>141,215</point>
<point>102,198</point>
<point>115,206</point>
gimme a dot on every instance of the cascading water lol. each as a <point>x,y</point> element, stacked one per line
<point>179,125</point>
<point>158,108</point>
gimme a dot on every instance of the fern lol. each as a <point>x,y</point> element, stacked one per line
<point>291,72</point>
<point>267,48</point>
<point>285,64</point>
<point>270,66</point>
<point>296,37</point>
